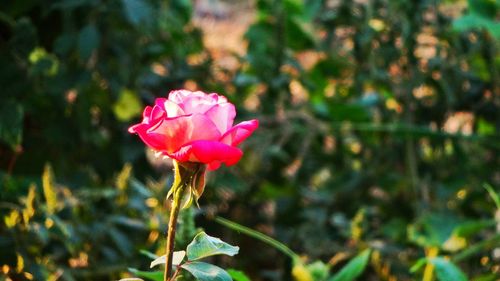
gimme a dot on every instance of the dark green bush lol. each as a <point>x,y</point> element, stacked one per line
<point>379,128</point>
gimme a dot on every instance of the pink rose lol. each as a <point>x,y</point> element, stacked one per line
<point>194,127</point>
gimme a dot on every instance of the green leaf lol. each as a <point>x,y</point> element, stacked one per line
<point>137,11</point>
<point>418,265</point>
<point>318,270</point>
<point>11,127</point>
<point>121,241</point>
<point>354,268</point>
<point>486,8</point>
<point>433,230</point>
<point>49,190</point>
<point>299,34</point>
<point>155,275</point>
<point>88,41</point>
<point>238,275</point>
<point>472,227</point>
<point>204,245</point>
<point>447,271</point>
<point>475,21</point>
<point>127,106</point>
<point>148,254</point>
<point>494,195</point>
<point>485,128</point>
<point>177,258</point>
<point>43,62</point>
<point>206,272</point>
<point>486,277</point>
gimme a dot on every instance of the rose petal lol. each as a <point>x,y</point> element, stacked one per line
<point>154,141</point>
<point>195,104</point>
<point>172,109</point>
<point>240,132</point>
<point>217,98</point>
<point>146,114</point>
<point>222,115</point>
<point>203,129</point>
<point>180,130</point>
<point>179,96</point>
<point>212,166</point>
<point>158,112</point>
<point>209,152</point>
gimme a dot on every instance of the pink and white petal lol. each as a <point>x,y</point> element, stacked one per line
<point>240,132</point>
<point>153,141</point>
<point>178,131</point>
<point>160,101</point>
<point>158,112</point>
<point>177,96</point>
<point>175,132</point>
<point>222,115</point>
<point>146,113</point>
<point>203,129</point>
<point>197,104</point>
<point>208,152</point>
<point>217,98</point>
<point>182,155</point>
<point>172,109</point>
<point>134,128</point>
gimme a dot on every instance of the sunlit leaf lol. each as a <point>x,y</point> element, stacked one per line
<point>148,254</point>
<point>433,230</point>
<point>318,270</point>
<point>472,227</point>
<point>12,219</point>
<point>354,268</point>
<point>204,245</point>
<point>20,263</point>
<point>418,265</point>
<point>122,178</point>
<point>301,273</point>
<point>43,62</point>
<point>29,209</point>
<point>237,275</point>
<point>153,275</point>
<point>49,189</point>
<point>446,270</point>
<point>177,258</point>
<point>206,272</point>
<point>127,106</point>
<point>484,127</point>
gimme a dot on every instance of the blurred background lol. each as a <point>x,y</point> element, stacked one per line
<point>379,128</point>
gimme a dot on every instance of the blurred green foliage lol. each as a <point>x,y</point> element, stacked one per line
<point>379,129</point>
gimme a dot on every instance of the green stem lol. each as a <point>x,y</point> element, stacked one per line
<point>479,247</point>
<point>178,188</point>
<point>255,234</point>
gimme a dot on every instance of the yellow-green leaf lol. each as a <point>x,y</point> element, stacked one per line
<point>127,106</point>
<point>29,209</point>
<point>49,190</point>
<point>11,219</point>
<point>123,177</point>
